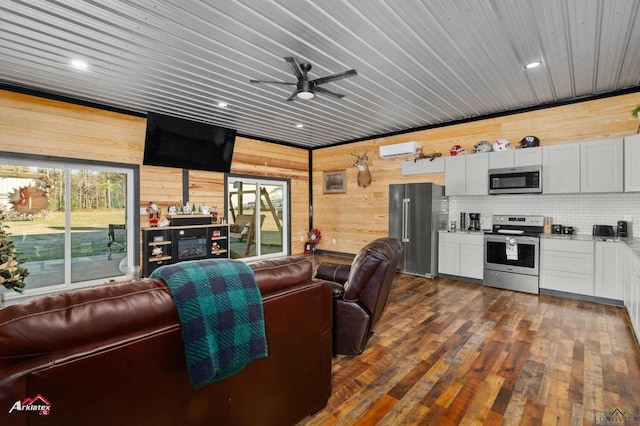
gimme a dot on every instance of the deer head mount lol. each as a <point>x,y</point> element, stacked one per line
<point>364,176</point>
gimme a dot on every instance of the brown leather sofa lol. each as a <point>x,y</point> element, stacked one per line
<point>113,355</point>
<point>360,292</point>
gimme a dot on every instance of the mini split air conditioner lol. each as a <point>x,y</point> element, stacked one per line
<point>399,149</point>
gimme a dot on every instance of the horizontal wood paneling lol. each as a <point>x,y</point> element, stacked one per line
<point>361,214</point>
<point>47,127</point>
<point>35,125</point>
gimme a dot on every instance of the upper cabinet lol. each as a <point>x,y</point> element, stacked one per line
<point>632,163</point>
<point>601,165</point>
<point>593,166</point>
<point>515,158</point>
<point>561,168</point>
<point>528,156</point>
<point>455,175</point>
<point>467,174</point>
<point>478,173</point>
<point>423,166</point>
<point>502,159</point>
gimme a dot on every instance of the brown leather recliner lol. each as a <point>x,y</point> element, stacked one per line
<point>360,292</point>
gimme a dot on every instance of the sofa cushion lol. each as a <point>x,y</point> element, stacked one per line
<point>70,319</point>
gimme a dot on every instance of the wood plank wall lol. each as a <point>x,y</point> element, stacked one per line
<point>41,126</point>
<point>360,214</point>
<point>34,125</point>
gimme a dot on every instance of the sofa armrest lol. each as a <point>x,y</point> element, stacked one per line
<point>336,272</point>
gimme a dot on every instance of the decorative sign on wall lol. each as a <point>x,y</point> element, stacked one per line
<point>334,182</point>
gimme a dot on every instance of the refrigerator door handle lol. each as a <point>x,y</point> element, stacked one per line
<point>405,220</point>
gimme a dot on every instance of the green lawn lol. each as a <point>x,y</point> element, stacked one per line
<point>43,238</point>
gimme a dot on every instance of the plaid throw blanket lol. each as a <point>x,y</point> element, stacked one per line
<point>221,313</point>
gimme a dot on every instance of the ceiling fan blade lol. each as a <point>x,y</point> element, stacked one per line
<point>328,92</point>
<point>295,67</point>
<point>293,96</point>
<point>272,82</point>
<point>333,77</point>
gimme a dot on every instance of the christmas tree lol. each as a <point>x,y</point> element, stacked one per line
<point>12,275</point>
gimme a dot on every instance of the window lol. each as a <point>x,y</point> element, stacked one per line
<point>257,210</point>
<point>72,222</point>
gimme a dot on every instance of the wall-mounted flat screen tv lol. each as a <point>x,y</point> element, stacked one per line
<point>186,144</point>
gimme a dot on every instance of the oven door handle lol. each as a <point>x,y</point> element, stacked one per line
<point>519,239</point>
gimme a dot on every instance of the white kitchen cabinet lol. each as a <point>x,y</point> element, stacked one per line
<point>561,168</point>
<point>455,175</point>
<point>567,265</point>
<point>515,158</point>
<point>632,299</point>
<point>423,166</point>
<point>461,254</point>
<point>528,156</point>
<point>632,163</point>
<point>610,267</point>
<point>472,257</point>
<point>467,174</point>
<point>477,173</point>
<point>602,165</point>
<point>448,256</point>
<point>411,167</point>
<point>502,159</point>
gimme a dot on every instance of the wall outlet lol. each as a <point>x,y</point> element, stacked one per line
<point>333,241</point>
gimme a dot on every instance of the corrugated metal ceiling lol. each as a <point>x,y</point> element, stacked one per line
<point>419,63</point>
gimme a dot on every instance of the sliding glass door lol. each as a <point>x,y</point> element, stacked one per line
<point>257,210</point>
<point>72,224</point>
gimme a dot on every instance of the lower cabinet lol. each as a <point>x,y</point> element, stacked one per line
<point>610,267</point>
<point>461,254</point>
<point>567,265</point>
<point>632,292</point>
<point>171,244</point>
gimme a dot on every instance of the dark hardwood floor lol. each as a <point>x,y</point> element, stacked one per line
<point>450,352</point>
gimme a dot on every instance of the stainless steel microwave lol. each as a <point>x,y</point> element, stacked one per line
<point>516,180</point>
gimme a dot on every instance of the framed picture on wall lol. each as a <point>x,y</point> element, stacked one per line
<point>334,182</point>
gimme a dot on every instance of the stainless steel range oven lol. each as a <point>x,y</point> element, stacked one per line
<point>512,253</point>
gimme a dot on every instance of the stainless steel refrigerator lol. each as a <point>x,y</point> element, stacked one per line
<point>416,212</point>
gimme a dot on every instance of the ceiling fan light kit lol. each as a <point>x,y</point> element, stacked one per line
<point>305,88</point>
<point>306,95</point>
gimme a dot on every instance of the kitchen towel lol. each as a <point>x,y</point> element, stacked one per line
<point>512,249</point>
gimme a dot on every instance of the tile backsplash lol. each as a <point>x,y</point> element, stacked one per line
<point>581,211</point>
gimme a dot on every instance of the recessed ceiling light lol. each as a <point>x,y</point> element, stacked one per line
<point>532,65</point>
<point>222,104</point>
<point>299,126</point>
<point>79,64</point>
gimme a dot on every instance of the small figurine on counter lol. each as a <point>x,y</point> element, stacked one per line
<point>154,214</point>
<point>156,252</point>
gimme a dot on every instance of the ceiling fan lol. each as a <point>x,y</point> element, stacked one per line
<point>305,88</point>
